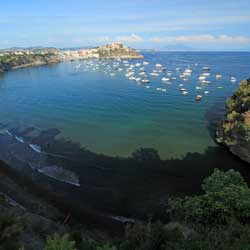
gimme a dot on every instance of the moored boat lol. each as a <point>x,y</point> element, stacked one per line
<point>198,97</point>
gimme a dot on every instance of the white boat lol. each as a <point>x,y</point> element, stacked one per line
<point>154,74</point>
<point>130,74</point>
<point>186,73</point>
<point>206,92</point>
<point>184,92</point>
<point>202,78</point>
<point>205,82</point>
<point>145,63</point>
<point>218,76</point>
<point>232,79</point>
<point>164,90</point>
<point>182,89</point>
<point>147,87</point>
<point>158,65</point>
<point>188,70</point>
<point>206,68</point>
<point>145,81</point>
<point>158,89</point>
<point>197,87</point>
<point>165,79</point>
<point>198,97</point>
<point>206,74</point>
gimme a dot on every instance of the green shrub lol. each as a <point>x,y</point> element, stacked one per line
<point>57,242</point>
<point>245,131</point>
<point>226,196</point>
<point>146,155</point>
<point>219,179</point>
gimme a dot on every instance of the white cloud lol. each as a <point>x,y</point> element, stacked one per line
<point>207,38</point>
<point>130,39</point>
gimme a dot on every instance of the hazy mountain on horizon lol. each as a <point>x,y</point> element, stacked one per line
<point>177,47</point>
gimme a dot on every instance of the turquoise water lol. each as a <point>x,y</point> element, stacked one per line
<point>114,115</point>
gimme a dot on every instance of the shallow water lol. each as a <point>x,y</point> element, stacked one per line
<point>115,116</point>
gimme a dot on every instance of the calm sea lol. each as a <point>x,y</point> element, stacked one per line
<point>114,115</point>
<point>94,104</point>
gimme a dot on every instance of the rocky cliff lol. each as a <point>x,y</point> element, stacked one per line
<point>234,130</point>
<point>19,59</point>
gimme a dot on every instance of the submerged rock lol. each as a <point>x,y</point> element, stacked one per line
<point>234,130</point>
<point>60,174</point>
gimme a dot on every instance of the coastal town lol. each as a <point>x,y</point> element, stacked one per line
<point>19,57</point>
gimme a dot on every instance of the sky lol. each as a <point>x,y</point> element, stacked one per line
<point>144,24</point>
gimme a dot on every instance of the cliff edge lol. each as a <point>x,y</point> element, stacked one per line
<point>234,130</point>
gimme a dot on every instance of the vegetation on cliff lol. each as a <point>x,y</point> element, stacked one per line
<point>217,219</point>
<point>236,125</point>
<point>234,131</point>
<point>13,60</point>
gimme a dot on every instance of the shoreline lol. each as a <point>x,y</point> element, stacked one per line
<point>21,58</point>
<point>29,65</point>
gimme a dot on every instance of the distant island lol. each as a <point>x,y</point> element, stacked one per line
<point>19,58</point>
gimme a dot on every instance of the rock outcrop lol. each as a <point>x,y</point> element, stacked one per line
<point>27,58</point>
<point>234,130</point>
<point>117,50</point>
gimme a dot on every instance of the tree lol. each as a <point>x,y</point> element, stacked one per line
<point>226,197</point>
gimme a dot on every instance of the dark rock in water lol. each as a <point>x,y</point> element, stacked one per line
<point>60,174</point>
<point>234,130</point>
<point>36,148</point>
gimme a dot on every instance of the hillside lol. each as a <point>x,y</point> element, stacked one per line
<point>24,58</point>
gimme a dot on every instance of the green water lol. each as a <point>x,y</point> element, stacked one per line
<point>115,116</point>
